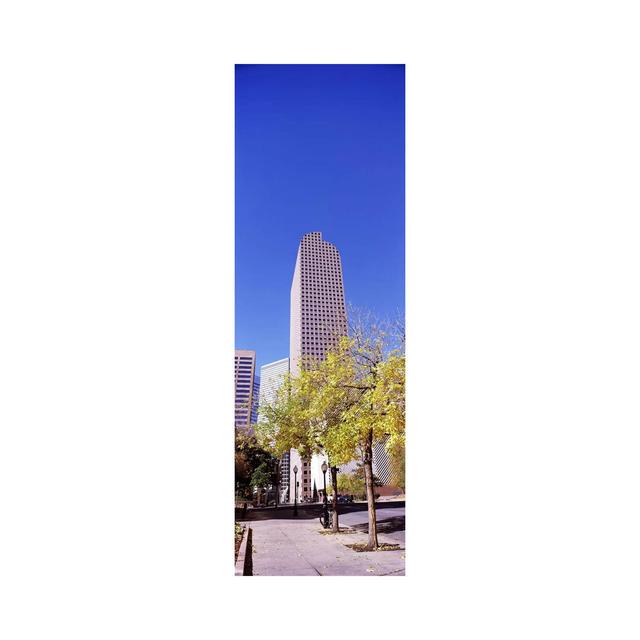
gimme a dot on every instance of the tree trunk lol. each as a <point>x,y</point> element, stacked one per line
<point>372,545</point>
<point>335,528</point>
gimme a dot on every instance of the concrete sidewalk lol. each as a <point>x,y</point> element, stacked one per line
<point>291,547</point>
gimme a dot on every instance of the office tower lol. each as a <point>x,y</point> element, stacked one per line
<point>254,399</point>
<point>245,365</point>
<point>318,313</point>
<point>318,318</point>
<point>271,378</point>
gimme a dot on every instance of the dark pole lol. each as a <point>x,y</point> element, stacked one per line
<point>295,491</point>
<point>325,508</point>
<point>334,479</point>
<point>324,475</point>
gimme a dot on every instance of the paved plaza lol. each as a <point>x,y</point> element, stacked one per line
<point>299,547</point>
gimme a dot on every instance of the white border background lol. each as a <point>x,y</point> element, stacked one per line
<point>116,262</point>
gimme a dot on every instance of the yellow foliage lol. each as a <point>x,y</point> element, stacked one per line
<point>334,406</point>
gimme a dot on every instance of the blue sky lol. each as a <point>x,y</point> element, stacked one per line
<point>318,148</point>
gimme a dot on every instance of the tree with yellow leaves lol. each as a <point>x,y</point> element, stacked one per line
<point>344,405</point>
<point>359,401</point>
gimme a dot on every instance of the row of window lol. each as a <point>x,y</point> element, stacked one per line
<point>332,296</point>
<point>313,298</point>
<point>316,245</point>
<point>320,328</point>
<point>324,328</point>
<point>321,287</point>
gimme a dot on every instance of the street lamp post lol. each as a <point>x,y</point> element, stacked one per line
<point>325,507</point>
<point>295,490</point>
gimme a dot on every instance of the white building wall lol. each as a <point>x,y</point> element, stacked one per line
<point>295,326</point>
<point>271,378</point>
<point>316,471</point>
<point>295,461</point>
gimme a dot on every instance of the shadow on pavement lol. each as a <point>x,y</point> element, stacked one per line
<point>310,511</point>
<point>388,525</point>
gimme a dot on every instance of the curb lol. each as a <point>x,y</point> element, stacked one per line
<point>244,564</point>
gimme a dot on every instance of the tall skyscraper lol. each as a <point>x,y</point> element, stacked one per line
<point>318,318</point>
<point>245,366</point>
<point>271,378</point>
<point>318,313</point>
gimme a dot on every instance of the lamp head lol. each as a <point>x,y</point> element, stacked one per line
<point>324,467</point>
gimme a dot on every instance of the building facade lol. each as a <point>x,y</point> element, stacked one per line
<point>255,395</point>
<point>318,319</point>
<point>271,378</point>
<point>245,369</point>
<point>318,311</point>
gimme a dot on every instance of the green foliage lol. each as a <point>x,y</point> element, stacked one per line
<point>249,457</point>
<point>263,476</point>
<point>349,484</point>
<point>284,424</point>
<point>353,483</point>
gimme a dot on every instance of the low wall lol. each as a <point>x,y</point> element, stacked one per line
<point>244,563</point>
